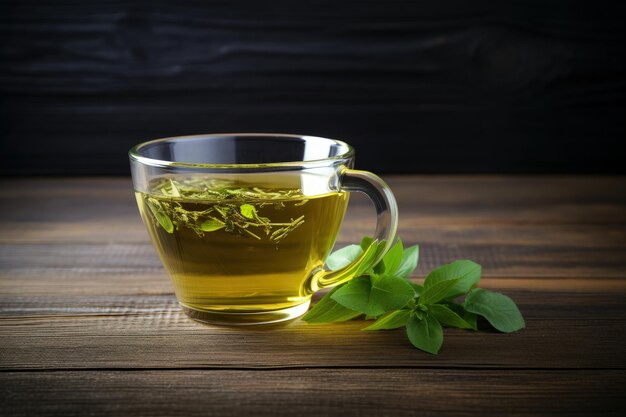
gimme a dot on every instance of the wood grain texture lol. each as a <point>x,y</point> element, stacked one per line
<point>582,329</point>
<point>346,392</point>
<point>88,320</point>
<point>513,226</point>
<point>480,87</point>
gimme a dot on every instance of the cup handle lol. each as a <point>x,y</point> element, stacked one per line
<point>386,225</point>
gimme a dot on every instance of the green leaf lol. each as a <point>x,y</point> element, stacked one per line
<point>212,225</point>
<point>457,308</point>
<point>470,318</point>
<point>248,211</point>
<point>447,317</point>
<point>379,268</point>
<point>436,292</point>
<point>344,256</point>
<point>368,258</point>
<point>499,310</point>
<point>392,258</point>
<point>366,242</point>
<point>328,310</point>
<point>355,295</point>
<point>416,287</point>
<point>408,263</point>
<point>425,334</point>
<point>391,292</point>
<point>175,192</point>
<point>159,213</point>
<point>393,320</point>
<point>466,272</point>
<point>374,295</point>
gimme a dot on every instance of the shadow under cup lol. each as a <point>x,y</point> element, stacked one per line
<point>243,223</point>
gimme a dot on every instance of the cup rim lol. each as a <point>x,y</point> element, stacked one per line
<point>134,154</point>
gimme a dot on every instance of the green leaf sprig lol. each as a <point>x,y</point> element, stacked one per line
<point>384,293</point>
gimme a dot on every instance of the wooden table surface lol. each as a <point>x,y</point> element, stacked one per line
<point>89,323</point>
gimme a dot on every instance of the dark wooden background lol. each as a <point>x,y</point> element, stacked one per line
<point>474,86</point>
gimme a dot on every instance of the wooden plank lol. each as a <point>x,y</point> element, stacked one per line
<point>45,287</point>
<point>448,224</point>
<point>577,329</point>
<point>88,320</point>
<point>503,251</point>
<point>130,231</point>
<point>555,235</point>
<point>315,392</point>
<point>511,199</point>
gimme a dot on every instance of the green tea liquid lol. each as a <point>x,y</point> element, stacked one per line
<point>232,248</point>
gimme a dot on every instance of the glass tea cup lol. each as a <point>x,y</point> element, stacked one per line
<point>243,223</point>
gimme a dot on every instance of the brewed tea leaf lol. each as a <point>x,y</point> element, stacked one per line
<point>248,211</point>
<point>157,210</point>
<point>235,205</point>
<point>212,225</point>
<point>175,192</point>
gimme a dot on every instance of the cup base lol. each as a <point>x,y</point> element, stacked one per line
<point>246,318</point>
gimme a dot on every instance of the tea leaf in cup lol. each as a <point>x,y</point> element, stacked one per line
<point>248,211</point>
<point>227,205</point>
<point>159,213</point>
<point>212,225</point>
<point>174,189</point>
